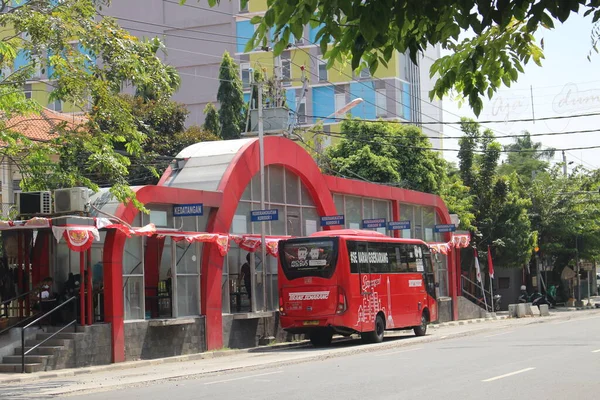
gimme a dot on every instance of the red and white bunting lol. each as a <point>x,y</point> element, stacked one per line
<point>252,243</point>
<point>458,241</point>
<point>79,238</point>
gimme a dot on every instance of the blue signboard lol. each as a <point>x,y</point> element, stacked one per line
<point>188,210</point>
<point>398,225</point>
<point>332,220</point>
<point>373,223</point>
<point>264,215</point>
<point>444,228</point>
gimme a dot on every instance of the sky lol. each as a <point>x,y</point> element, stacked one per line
<point>567,84</point>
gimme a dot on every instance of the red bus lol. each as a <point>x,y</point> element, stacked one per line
<point>354,281</point>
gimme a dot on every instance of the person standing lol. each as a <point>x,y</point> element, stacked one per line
<point>246,276</point>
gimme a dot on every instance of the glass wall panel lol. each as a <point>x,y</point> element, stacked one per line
<point>276,186</point>
<point>306,197</point>
<point>428,223</point>
<point>406,214</point>
<point>293,222</point>
<point>418,223</point>
<point>310,221</point>
<point>188,300</point>
<point>277,227</point>
<point>133,287</point>
<point>241,220</point>
<point>353,212</point>
<point>367,209</point>
<point>338,199</point>
<point>292,189</point>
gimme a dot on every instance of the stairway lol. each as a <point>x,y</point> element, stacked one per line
<point>53,354</point>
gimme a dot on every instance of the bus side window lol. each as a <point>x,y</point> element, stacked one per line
<point>380,252</point>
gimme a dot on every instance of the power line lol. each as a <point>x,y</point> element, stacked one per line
<point>343,136</point>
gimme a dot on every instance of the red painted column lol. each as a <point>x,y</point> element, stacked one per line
<point>82,288</point>
<point>210,293</point>
<point>90,294</point>
<point>396,215</point>
<point>27,276</point>
<point>113,291</point>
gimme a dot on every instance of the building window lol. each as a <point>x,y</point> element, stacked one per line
<point>245,74</point>
<point>364,73</point>
<point>381,103</point>
<point>301,110</point>
<point>244,5</point>
<point>339,101</point>
<point>133,278</point>
<point>28,91</point>
<point>322,71</point>
<point>56,105</point>
<point>286,72</point>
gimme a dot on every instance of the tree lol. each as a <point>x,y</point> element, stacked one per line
<point>370,32</point>
<point>42,32</point>
<point>387,153</point>
<point>526,158</point>
<point>211,120</point>
<point>231,98</point>
<point>500,211</point>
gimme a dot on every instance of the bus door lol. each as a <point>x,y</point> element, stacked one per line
<point>429,279</point>
<point>366,312</point>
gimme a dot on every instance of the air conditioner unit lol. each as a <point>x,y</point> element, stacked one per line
<point>71,200</point>
<point>34,203</point>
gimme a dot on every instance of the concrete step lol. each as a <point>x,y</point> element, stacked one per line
<point>42,350</point>
<point>51,342</point>
<point>62,335</point>
<point>29,368</point>
<point>29,359</point>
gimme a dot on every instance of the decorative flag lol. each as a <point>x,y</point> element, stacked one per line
<point>477,265</point>
<point>490,263</point>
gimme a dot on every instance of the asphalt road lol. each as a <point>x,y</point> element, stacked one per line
<point>555,360</point>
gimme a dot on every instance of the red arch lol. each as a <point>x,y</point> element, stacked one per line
<point>278,151</point>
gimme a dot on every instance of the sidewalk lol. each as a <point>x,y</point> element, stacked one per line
<point>113,376</point>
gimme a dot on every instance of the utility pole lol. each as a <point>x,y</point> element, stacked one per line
<point>564,163</point>
<point>261,150</point>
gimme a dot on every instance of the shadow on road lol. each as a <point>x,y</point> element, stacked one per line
<point>338,343</point>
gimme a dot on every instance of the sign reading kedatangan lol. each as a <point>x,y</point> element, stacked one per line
<point>188,210</point>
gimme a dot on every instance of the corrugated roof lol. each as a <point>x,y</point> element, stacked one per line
<point>42,127</point>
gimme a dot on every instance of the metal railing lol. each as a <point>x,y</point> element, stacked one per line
<point>6,308</point>
<point>23,352</point>
<point>485,304</point>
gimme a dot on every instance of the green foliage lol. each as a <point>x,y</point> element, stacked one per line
<point>526,159</point>
<point>231,98</point>
<point>80,81</point>
<point>211,120</point>
<point>370,32</point>
<point>388,153</point>
<point>500,211</point>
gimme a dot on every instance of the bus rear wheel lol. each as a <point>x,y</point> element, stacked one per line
<point>375,336</point>
<point>421,330</point>
<point>321,337</point>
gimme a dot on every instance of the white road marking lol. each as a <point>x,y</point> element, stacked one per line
<point>596,351</point>
<point>499,334</point>
<point>563,322</point>
<point>397,352</point>
<point>443,337</point>
<point>495,378</point>
<point>243,377</point>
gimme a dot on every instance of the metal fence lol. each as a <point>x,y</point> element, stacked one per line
<point>9,210</point>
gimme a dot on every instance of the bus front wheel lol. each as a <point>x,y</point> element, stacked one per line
<point>375,336</point>
<point>321,337</point>
<point>421,330</point>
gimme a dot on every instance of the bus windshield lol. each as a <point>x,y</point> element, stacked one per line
<point>308,257</point>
